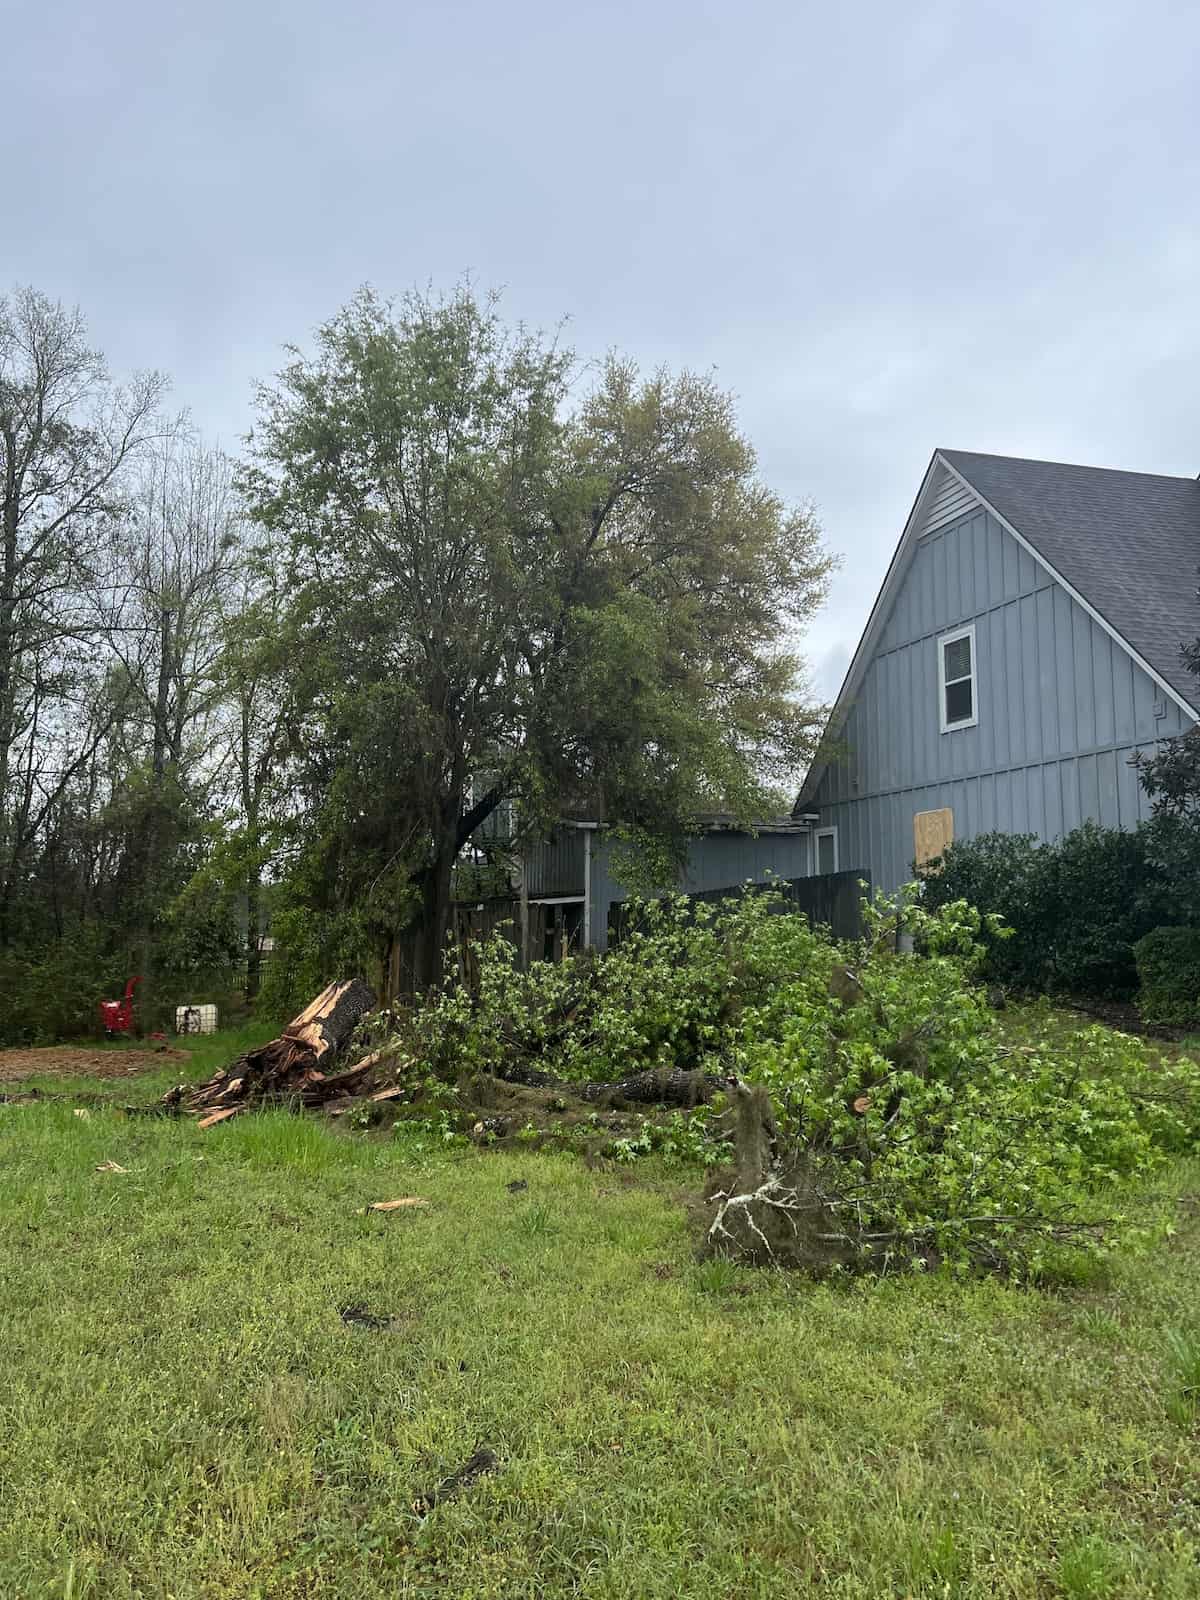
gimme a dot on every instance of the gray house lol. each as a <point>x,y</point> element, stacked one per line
<point>563,893</point>
<point>570,893</point>
<point>1024,645</point>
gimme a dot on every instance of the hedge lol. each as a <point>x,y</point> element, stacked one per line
<point>1168,965</point>
<point>1077,907</point>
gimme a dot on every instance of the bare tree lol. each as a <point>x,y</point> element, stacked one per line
<point>68,435</point>
<point>181,553</point>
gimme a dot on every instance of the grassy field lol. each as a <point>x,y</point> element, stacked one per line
<point>186,1413</point>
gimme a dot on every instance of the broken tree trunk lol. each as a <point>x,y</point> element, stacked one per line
<point>650,1088</point>
<point>782,1208</point>
<point>293,1066</point>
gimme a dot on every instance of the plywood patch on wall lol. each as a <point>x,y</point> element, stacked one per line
<point>933,831</point>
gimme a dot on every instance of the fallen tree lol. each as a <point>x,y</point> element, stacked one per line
<point>795,1203</point>
<point>776,1211</point>
<point>655,1087</point>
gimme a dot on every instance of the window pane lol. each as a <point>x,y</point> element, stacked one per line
<point>958,659</point>
<point>825,852</point>
<point>959,701</point>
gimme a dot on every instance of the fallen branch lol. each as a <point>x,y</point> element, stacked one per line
<point>794,1204</point>
<point>661,1088</point>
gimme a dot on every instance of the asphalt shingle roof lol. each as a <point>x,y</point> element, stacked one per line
<point>1128,542</point>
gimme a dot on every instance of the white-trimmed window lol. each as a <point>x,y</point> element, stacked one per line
<point>957,679</point>
<point>826,848</point>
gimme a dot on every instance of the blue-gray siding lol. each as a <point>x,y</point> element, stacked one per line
<point>715,861</point>
<point>1061,709</point>
<point>556,864</point>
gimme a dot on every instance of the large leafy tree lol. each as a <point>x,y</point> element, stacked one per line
<point>502,590</point>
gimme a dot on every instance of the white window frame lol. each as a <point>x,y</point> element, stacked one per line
<point>952,638</point>
<point>824,833</point>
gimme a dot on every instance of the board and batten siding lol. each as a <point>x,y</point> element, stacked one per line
<point>555,864</point>
<point>1061,708</point>
<point>720,860</point>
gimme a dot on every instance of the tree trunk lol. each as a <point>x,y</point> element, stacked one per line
<point>8,660</point>
<point>253,935</point>
<point>430,950</point>
<point>649,1088</point>
<point>295,1063</point>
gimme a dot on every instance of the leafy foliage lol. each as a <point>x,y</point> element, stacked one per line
<point>933,1140</point>
<point>1171,775</point>
<point>1076,908</point>
<point>926,1137</point>
<point>457,572</point>
<point>588,602</point>
<point>1168,963</point>
<point>669,995</point>
<point>1005,875</point>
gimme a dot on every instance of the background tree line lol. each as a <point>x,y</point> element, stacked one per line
<point>452,570</point>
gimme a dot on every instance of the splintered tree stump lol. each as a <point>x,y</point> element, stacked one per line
<point>291,1067</point>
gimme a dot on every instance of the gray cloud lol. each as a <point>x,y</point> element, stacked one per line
<point>886,227</point>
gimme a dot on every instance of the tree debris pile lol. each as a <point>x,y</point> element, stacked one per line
<point>883,1119</point>
<point>294,1067</point>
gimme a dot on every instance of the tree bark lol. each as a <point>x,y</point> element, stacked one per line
<point>253,936</point>
<point>675,1088</point>
<point>294,1063</point>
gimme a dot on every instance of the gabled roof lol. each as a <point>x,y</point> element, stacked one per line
<point>1126,545</point>
<point>1128,542</point>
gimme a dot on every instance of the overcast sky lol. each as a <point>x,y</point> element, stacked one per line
<point>886,227</point>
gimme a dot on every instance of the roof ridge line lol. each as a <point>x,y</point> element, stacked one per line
<point>1075,466</point>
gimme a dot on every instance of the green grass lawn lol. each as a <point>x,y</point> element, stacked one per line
<point>184,1412</point>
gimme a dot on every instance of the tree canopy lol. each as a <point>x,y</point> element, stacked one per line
<point>511,580</point>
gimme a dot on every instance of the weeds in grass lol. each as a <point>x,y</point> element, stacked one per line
<point>1090,1569</point>
<point>1183,1375</point>
<point>717,1276</point>
<point>536,1221</point>
<point>932,1558</point>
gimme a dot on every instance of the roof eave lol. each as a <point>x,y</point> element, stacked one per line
<point>867,639</point>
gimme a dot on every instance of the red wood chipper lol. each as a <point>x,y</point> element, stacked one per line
<point>116,1016</point>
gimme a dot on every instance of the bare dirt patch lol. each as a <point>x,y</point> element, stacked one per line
<point>68,1061</point>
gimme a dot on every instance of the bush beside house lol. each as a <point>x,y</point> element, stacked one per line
<point>1080,909</point>
<point>1168,965</point>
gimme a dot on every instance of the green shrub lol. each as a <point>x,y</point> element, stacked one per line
<point>1076,907</point>
<point>1108,896</point>
<point>1173,850</point>
<point>1168,966</point>
<point>1007,875</point>
<point>53,994</point>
